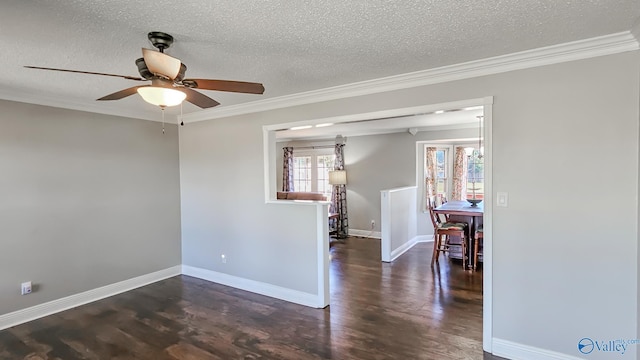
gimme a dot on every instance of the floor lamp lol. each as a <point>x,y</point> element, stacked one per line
<point>338,177</point>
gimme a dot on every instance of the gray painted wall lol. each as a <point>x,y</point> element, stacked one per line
<point>380,162</point>
<point>375,163</point>
<point>568,261</point>
<point>87,200</point>
<point>224,210</point>
<point>563,268</point>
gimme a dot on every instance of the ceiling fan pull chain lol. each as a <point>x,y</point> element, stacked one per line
<point>181,121</point>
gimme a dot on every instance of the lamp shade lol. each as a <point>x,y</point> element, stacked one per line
<point>161,96</point>
<point>338,177</point>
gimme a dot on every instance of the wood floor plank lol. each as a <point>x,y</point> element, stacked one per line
<point>400,310</point>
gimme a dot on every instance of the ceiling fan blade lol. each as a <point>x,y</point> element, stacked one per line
<point>227,85</point>
<point>199,99</point>
<point>87,72</point>
<point>122,93</point>
<point>161,63</point>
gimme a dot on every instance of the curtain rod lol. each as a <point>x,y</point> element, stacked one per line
<point>315,147</point>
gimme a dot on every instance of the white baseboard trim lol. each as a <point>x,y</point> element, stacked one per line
<point>274,291</point>
<point>402,249</point>
<point>409,244</point>
<point>512,350</point>
<point>365,233</point>
<point>424,238</point>
<point>65,303</point>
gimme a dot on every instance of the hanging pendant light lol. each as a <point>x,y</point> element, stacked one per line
<point>480,147</point>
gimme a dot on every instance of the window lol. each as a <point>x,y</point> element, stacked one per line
<point>442,172</point>
<point>475,175</point>
<point>311,170</point>
<point>302,173</point>
<point>324,165</point>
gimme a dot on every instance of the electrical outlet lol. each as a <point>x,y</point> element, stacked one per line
<point>373,224</point>
<point>223,258</point>
<point>25,288</point>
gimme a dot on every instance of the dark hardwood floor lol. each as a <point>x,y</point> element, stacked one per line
<point>402,310</point>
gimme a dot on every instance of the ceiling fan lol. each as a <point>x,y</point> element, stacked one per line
<point>168,86</point>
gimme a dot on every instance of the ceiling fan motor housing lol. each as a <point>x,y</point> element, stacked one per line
<point>145,73</point>
<point>160,40</point>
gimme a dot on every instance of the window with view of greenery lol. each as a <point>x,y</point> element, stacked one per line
<point>444,172</point>
<point>475,175</point>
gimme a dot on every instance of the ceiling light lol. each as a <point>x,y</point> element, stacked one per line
<point>162,96</point>
<point>439,112</point>
<point>324,125</point>
<point>301,127</point>
<point>473,108</point>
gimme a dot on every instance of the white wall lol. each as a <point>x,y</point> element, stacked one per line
<point>564,268</point>
<point>398,222</point>
<point>87,200</point>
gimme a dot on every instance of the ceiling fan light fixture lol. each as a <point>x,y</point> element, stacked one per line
<point>167,73</point>
<point>162,96</point>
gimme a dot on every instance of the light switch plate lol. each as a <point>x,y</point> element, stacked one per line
<point>502,199</point>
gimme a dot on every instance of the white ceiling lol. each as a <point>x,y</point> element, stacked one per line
<point>450,119</point>
<point>289,46</point>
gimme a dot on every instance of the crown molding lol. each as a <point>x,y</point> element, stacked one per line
<point>58,102</point>
<point>576,50</point>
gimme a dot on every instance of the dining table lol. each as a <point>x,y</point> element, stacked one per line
<point>461,210</point>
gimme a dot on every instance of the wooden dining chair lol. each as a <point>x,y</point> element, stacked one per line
<point>440,200</point>
<point>477,249</point>
<point>442,232</point>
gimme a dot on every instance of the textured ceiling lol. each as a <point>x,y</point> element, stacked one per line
<point>289,46</point>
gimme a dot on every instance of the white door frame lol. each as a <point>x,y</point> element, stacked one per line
<point>487,103</point>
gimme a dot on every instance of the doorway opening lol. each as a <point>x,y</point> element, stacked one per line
<point>311,129</point>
